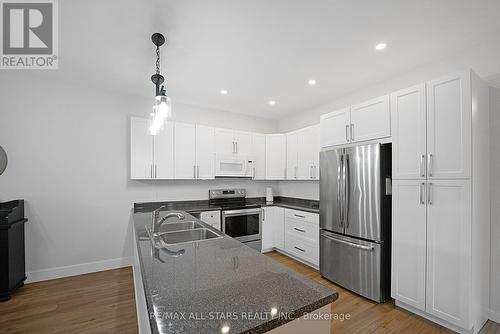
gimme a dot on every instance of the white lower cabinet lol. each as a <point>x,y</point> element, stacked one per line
<point>431,247</point>
<point>273,228</point>
<point>302,235</point>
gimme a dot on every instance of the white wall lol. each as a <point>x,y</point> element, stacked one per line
<point>68,157</point>
<point>495,201</point>
<point>299,189</point>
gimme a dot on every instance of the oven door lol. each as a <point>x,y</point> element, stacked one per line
<point>244,225</point>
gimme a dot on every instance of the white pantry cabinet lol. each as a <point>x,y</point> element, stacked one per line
<point>276,157</point>
<point>151,157</point>
<point>409,235</point>
<point>233,142</point>
<point>366,121</point>
<point>449,123</point>
<point>409,126</point>
<point>194,146</point>
<point>441,205</point>
<point>259,156</point>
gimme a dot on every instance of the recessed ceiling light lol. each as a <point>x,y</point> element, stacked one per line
<point>312,82</point>
<point>380,46</point>
<point>272,103</point>
<point>223,92</point>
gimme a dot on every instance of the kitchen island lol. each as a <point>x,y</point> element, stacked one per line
<point>221,286</point>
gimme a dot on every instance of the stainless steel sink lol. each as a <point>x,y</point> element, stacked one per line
<point>179,226</point>
<point>179,237</point>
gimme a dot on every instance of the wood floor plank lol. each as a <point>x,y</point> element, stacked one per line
<point>104,303</point>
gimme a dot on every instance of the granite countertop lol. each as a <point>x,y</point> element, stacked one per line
<point>286,202</point>
<point>221,282</point>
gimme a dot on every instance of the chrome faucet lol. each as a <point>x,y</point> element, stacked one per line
<point>156,221</point>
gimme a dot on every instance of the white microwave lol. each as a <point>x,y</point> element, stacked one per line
<point>233,165</point>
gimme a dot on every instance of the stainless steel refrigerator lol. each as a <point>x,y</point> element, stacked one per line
<point>355,219</point>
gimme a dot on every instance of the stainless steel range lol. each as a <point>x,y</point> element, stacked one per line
<point>240,220</point>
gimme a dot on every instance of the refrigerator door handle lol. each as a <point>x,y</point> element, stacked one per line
<point>339,189</point>
<point>346,190</point>
<point>366,248</point>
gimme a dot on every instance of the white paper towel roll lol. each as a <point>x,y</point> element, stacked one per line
<point>269,195</point>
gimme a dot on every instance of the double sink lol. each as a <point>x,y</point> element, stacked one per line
<point>179,232</point>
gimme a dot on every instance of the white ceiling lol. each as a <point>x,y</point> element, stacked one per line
<point>259,49</point>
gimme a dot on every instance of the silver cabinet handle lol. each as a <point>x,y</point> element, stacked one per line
<point>347,132</point>
<point>295,171</point>
<point>300,249</point>
<point>156,171</point>
<point>310,172</point>
<point>352,131</point>
<point>194,172</point>
<point>254,172</point>
<point>315,170</point>
<point>429,193</point>
<point>236,144</point>
<point>422,168</point>
<point>300,230</point>
<point>198,171</point>
<point>296,215</point>
<point>429,165</point>
<point>263,214</point>
<point>422,185</point>
<point>285,172</point>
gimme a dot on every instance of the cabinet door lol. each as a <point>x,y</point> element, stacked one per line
<point>308,154</point>
<point>275,157</point>
<point>449,250</point>
<point>409,133</point>
<point>449,126</point>
<point>164,152</point>
<point>205,152</point>
<point>409,242</point>
<point>291,155</point>
<point>243,143</point>
<point>335,128</point>
<point>267,228</point>
<point>184,151</point>
<point>224,141</point>
<point>279,227</point>
<point>371,120</point>
<point>259,156</point>
<point>141,149</point>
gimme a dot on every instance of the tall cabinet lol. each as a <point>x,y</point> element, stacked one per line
<point>440,227</point>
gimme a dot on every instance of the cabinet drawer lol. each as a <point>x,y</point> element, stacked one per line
<point>302,216</point>
<point>303,249</point>
<point>302,229</point>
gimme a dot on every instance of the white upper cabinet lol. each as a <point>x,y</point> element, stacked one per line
<point>408,110</point>
<point>371,120</point>
<point>233,142</point>
<point>449,126</point>
<point>409,242</point>
<point>335,128</point>
<point>276,157</point>
<point>308,148</point>
<point>291,155</point>
<point>243,142</point>
<point>151,157</point>
<point>259,156</point>
<point>205,156</point>
<point>141,149</point>
<point>185,151</point>
<point>224,141</point>
<point>449,250</point>
<point>163,144</point>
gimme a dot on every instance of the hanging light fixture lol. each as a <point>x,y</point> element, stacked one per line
<point>162,107</point>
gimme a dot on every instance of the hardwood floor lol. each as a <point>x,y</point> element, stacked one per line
<point>104,303</point>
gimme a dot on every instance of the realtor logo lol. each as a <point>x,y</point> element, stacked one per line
<point>29,34</point>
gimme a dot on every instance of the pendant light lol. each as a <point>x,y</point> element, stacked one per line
<point>162,107</point>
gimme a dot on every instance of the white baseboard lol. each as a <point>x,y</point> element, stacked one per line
<point>78,269</point>
<point>495,316</point>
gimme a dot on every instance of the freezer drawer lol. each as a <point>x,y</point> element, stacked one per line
<point>354,264</point>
